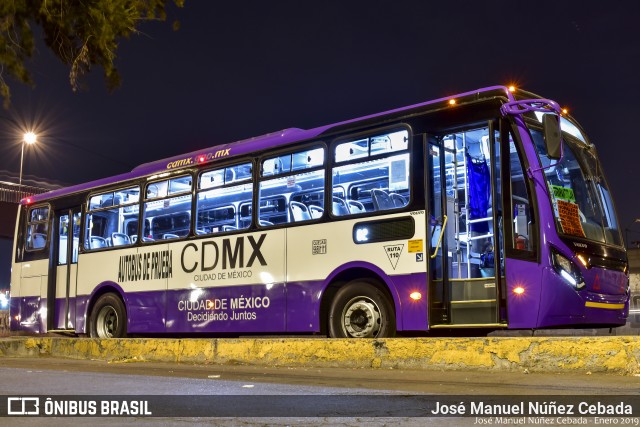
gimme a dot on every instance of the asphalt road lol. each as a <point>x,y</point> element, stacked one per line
<point>277,391</point>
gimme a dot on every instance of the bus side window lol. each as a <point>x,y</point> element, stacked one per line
<point>167,209</point>
<point>520,203</point>
<point>371,183</point>
<point>37,228</point>
<point>292,188</point>
<point>223,195</point>
<point>112,218</point>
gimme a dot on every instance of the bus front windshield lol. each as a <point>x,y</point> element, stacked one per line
<point>582,203</point>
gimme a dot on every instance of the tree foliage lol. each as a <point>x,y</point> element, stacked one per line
<point>81,33</point>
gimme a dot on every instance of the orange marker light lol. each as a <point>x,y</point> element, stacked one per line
<point>565,111</point>
<point>452,102</point>
<point>416,296</point>
<point>518,290</point>
<point>512,88</point>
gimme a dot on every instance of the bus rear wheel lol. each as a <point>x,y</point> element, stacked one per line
<point>360,310</point>
<point>108,318</point>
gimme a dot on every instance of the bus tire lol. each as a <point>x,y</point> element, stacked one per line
<point>108,318</point>
<point>361,310</point>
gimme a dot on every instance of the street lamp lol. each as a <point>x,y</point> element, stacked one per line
<point>29,138</point>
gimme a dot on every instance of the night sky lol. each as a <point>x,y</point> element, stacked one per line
<point>244,68</point>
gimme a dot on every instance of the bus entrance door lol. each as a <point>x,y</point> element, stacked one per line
<point>62,282</point>
<point>463,288</point>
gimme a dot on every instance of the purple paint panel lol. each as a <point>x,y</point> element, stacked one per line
<point>607,282</point>
<point>522,307</point>
<point>560,303</point>
<point>60,318</point>
<point>82,317</point>
<point>411,315</point>
<point>145,312</point>
<point>233,309</point>
<point>303,306</point>
<point>25,314</point>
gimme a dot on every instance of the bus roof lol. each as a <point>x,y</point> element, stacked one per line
<point>243,147</point>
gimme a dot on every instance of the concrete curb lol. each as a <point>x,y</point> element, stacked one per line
<point>620,355</point>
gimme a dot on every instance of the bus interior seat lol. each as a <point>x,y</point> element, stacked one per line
<point>119,239</point>
<point>39,241</point>
<point>97,242</point>
<point>134,238</point>
<point>340,206</point>
<point>315,211</point>
<point>229,228</point>
<point>381,200</point>
<point>170,236</point>
<point>264,223</point>
<point>356,207</point>
<point>398,200</point>
<point>299,211</point>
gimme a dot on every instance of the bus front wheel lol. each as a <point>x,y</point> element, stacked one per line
<point>360,310</point>
<point>108,318</point>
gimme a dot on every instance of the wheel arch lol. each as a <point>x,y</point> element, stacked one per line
<point>102,289</point>
<point>363,271</point>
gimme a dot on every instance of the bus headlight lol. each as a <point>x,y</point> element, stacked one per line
<point>567,270</point>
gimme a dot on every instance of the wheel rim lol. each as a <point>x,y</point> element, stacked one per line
<point>107,322</point>
<point>361,318</point>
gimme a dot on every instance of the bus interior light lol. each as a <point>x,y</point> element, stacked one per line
<point>416,296</point>
<point>567,270</point>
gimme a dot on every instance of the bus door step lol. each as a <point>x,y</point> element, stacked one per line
<point>473,311</point>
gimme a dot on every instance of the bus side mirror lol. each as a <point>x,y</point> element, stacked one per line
<point>552,136</point>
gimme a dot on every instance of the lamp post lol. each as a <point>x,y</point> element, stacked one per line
<point>29,138</point>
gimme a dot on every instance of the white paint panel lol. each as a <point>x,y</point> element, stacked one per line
<point>31,286</point>
<point>307,260</point>
<point>35,268</point>
<point>246,259</point>
<point>30,275</point>
<point>61,280</point>
<point>135,270</point>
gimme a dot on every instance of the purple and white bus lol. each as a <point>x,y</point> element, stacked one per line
<point>487,209</point>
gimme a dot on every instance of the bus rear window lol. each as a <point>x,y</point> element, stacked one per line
<point>37,228</point>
